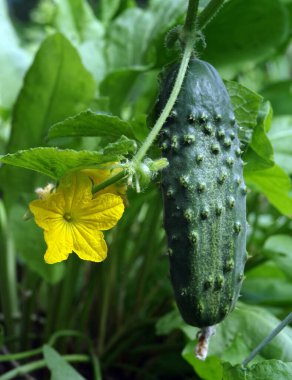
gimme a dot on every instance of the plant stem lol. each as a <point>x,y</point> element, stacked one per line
<point>67,293</point>
<point>209,12</point>
<point>110,181</point>
<point>272,335</point>
<point>26,368</point>
<point>20,355</point>
<point>8,280</point>
<point>189,33</point>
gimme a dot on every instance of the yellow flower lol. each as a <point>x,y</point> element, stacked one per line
<point>73,220</point>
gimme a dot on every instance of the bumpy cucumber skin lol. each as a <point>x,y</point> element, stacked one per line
<point>204,195</point>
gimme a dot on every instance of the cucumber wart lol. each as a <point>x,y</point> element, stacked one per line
<point>204,195</point>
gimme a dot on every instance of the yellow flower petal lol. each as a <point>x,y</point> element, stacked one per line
<point>47,210</point>
<point>75,188</point>
<point>89,244</point>
<point>102,213</point>
<point>59,241</point>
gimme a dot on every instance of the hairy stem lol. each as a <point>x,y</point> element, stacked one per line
<point>189,34</point>
<point>115,178</point>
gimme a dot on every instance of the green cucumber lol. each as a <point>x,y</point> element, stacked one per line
<point>204,195</point>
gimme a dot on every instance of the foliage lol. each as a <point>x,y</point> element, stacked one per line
<point>76,83</point>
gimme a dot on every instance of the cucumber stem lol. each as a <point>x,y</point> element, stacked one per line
<point>204,336</point>
<point>115,178</point>
<point>189,33</point>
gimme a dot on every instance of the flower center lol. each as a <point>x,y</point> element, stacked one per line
<point>67,216</point>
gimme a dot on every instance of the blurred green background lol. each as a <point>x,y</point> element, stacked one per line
<point>117,319</point>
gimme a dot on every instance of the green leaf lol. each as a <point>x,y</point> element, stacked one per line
<point>279,250</point>
<point>120,83</point>
<point>210,369</point>
<point>246,104</point>
<point>30,245</point>
<point>281,139</point>
<point>13,60</point>
<point>55,162</point>
<point>60,369</point>
<point>245,32</point>
<point>280,95</point>
<point>267,291</point>
<point>236,337</point>
<point>129,39</point>
<point>76,20</point>
<point>275,184</point>
<point>69,89</point>
<point>107,9</point>
<point>260,155</point>
<point>267,370</point>
<point>136,35</point>
<point>55,87</point>
<point>88,123</point>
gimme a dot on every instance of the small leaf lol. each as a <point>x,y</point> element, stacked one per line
<point>59,367</point>
<point>121,147</point>
<point>55,162</point>
<point>88,123</point>
<point>246,104</point>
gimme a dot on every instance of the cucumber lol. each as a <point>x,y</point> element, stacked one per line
<point>204,195</point>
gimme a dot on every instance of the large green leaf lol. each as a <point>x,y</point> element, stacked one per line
<point>280,95</point>
<point>267,291</point>
<point>13,60</point>
<point>267,370</point>
<point>55,87</point>
<point>275,184</point>
<point>136,33</point>
<point>88,123</point>
<point>245,32</point>
<point>76,20</point>
<point>59,367</point>
<point>236,337</point>
<point>55,162</point>
<point>281,139</point>
<point>279,249</point>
